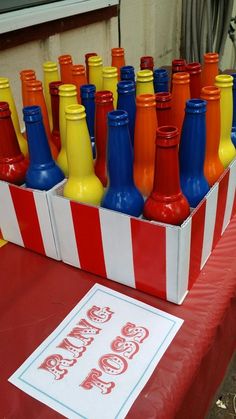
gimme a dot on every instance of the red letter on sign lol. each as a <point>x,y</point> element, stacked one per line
<point>136,333</point>
<point>99,315</point>
<point>56,365</point>
<point>77,351</point>
<point>113,364</point>
<point>92,380</point>
<point>84,328</point>
<point>129,348</point>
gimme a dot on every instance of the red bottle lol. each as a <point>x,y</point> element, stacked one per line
<point>54,93</point>
<point>178,66</point>
<point>163,107</point>
<point>146,63</point>
<point>25,76</point>
<point>35,97</point>
<point>13,164</point>
<point>167,204</point>
<point>103,105</point>
<point>118,59</point>
<point>180,94</point>
<point>194,70</point>
<point>78,78</point>
<point>65,62</point>
<point>210,69</point>
<point>89,54</point>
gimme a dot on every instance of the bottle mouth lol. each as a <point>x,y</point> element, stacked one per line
<point>224,80</point>
<point>193,68</point>
<point>118,118</point>
<point>146,100</point>
<point>4,82</point>
<point>95,61</point>
<point>180,78</point>
<point>210,93</point>
<point>103,96</point>
<point>49,66</point>
<point>32,113</point>
<point>195,106</point>
<point>75,112</point>
<point>109,72</point>
<point>163,96</point>
<point>65,59</point>
<point>54,87</point>
<point>4,110</point>
<point>179,61</point>
<point>78,69</point>
<point>160,74</point>
<point>144,75</point>
<point>146,59</point>
<point>167,136</point>
<point>117,52</point>
<point>34,85</point>
<point>27,74</point>
<point>67,90</point>
<point>126,86</point>
<point>87,91</point>
<point>211,57</point>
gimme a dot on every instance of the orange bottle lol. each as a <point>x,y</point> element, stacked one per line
<point>144,142</point>
<point>213,167</point>
<point>65,62</point>
<point>210,69</point>
<point>26,75</point>
<point>78,78</point>
<point>118,59</point>
<point>180,94</point>
<point>35,97</point>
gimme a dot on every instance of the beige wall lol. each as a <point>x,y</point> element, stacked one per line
<point>148,27</point>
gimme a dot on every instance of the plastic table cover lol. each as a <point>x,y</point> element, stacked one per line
<point>37,293</point>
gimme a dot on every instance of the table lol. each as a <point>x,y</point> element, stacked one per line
<point>37,293</point>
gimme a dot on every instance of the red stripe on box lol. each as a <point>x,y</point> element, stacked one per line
<point>221,204</point>
<point>197,234</point>
<point>27,217</point>
<point>234,205</point>
<point>149,257</point>
<point>88,238</point>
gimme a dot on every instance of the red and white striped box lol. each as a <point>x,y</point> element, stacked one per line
<point>156,258</point>
<point>25,219</point>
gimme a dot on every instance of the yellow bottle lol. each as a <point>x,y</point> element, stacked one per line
<point>67,96</point>
<point>226,148</point>
<point>50,73</point>
<point>110,80</point>
<point>95,71</point>
<point>144,82</point>
<point>82,184</point>
<point>6,96</point>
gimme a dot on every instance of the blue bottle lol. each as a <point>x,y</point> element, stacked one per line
<point>87,93</point>
<point>121,195</point>
<point>127,102</point>
<point>43,173</point>
<point>233,132</point>
<point>127,73</point>
<point>192,152</point>
<point>161,80</point>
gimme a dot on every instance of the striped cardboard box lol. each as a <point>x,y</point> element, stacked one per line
<point>25,219</point>
<point>156,258</point>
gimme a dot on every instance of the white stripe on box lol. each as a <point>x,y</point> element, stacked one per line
<point>230,195</point>
<point>184,258</point>
<point>209,224</point>
<point>42,209</point>
<point>8,220</point>
<point>65,229</point>
<point>172,240</point>
<point>117,246</point>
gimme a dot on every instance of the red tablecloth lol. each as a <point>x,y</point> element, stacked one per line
<point>37,293</point>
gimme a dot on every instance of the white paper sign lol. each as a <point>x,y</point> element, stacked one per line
<point>99,358</point>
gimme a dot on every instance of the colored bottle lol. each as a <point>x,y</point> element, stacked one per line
<point>50,72</point>
<point>144,143</point>
<point>180,94</point>
<point>13,164</point>
<point>118,59</point>
<point>35,97</point>
<point>6,96</point>
<point>65,62</point>
<point>43,173</point>
<point>167,204</point>
<point>192,152</point>
<point>194,70</point>
<point>210,68</point>
<point>226,148</point>
<point>110,80</point>
<point>163,108</point>
<point>25,76</point>
<point>87,56</point>
<point>161,80</point>
<point>87,92</point>
<point>146,63</point>
<point>126,102</point>
<point>95,71</point>
<point>127,73</point>
<point>54,93</point>
<point>233,131</point>
<point>104,105</point>
<point>178,66</point>
<point>121,195</point>
<point>67,96</point>
<point>78,78</point>
<point>213,167</point>
<point>144,82</point>
<point>82,184</point>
